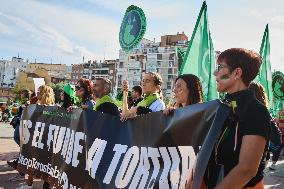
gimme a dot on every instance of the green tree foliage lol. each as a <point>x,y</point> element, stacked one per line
<point>57,88</point>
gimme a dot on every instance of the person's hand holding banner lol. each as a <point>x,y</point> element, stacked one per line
<point>125,111</point>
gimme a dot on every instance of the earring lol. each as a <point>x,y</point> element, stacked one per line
<point>235,78</point>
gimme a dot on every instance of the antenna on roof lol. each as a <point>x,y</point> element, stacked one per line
<point>105,46</point>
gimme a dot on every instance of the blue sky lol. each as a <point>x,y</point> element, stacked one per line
<point>64,31</point>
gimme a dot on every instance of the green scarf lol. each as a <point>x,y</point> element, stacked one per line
<point>79,101</point>
<point>102,100</point>
<point>148,100</point>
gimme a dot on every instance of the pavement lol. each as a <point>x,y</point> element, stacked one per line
<point>9,150</point>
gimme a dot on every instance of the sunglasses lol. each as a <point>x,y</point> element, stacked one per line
<point>220,66</point>
<point>77,88</point>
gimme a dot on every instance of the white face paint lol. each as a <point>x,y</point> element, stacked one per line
<point>223,77</point>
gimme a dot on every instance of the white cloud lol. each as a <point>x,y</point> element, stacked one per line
<point>47,36</point>
<point>60,41</point>
<point>71,32</point>
<point>5,29</point>
<point>153,9</point>
<point>74,32</point>
<point>44,34</point>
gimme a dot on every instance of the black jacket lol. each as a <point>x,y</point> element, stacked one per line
<point>108,108</point>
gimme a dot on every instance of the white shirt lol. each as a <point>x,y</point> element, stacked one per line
<point>157,105</point>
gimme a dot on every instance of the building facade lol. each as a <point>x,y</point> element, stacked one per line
<point>6,92</point>
<point>150,56</point>
<point>25,80</point>
<point>174,40</point>
<point>76,72</point>
<point>93,69</point>
<point>59,71</point>
<point>9,70</point>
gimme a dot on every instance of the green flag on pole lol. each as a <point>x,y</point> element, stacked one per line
<point>265,75</point>
<point>199,58</point>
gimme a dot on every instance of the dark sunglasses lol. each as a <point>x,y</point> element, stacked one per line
<point>77,88</point>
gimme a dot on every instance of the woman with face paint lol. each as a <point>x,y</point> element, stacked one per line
<point>239,154</point>
<point>187,91</point>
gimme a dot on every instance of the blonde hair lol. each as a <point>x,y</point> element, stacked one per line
<point>47,95</point>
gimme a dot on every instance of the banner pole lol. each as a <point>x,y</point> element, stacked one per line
<point>125,93</point>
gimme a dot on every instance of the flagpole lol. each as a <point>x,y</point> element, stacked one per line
<point>125,93</point>
<point>204,6</point>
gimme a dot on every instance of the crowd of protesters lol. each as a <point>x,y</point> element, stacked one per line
<point>247,138</point>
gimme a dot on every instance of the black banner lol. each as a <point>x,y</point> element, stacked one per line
<point>87,149</point>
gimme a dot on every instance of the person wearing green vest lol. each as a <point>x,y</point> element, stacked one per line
<point>104,102</point>
<point>152,102</point>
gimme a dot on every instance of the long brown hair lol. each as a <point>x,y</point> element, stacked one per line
<point>259,92</point>
<point>194,87</point>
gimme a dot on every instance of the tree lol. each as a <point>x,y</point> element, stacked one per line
<point>57,89</point>
<point>18,89</point>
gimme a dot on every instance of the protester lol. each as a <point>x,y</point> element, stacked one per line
<point>33,99</point>
<point>9,102</point>
<point>6,114</point>
<point>275,142</point>
<point>187,91</point>
<point>68,96</point>
<point>280,121</point>
<point>24,101</point>
<point>104,103</point>
<point>136,96</point>
<point>240,151</point>
<point>84,93</point>
<point>152,102</point>
<point>45,97</point>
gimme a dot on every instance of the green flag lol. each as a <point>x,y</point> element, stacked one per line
<point>199,58</point>
<point>265,75</point>
<point>181,53</point>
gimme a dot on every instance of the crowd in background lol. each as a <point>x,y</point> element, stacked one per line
<point>247,138</point>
